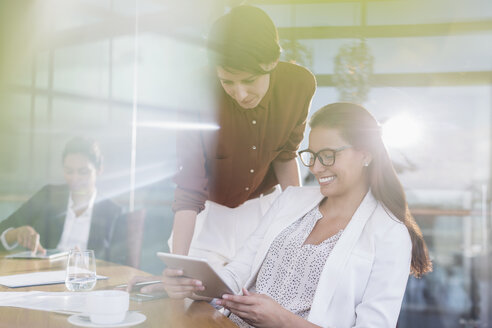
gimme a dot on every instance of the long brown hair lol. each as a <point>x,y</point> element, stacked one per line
<point>358,127</point>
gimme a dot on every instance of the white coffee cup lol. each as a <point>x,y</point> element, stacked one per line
<point>107,306</point>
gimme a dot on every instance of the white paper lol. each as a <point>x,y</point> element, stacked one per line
<point>36,279</point>
<point>50,254</point>
<point>46,301</point>
<point>6,297</point>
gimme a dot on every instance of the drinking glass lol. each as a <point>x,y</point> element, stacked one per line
<point>81,270</point>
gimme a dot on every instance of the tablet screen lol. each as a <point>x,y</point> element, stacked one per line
<point>198,269</point>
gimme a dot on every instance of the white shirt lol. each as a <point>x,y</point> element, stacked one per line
<point>291,270</point>
<point>363,280</point>
<point>4,241</point>
<point>75,229</point>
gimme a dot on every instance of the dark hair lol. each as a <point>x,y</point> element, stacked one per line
<point>84,146</point>
<point>243,39</point>
<point>358,127</point>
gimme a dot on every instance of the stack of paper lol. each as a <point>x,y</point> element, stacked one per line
<point>65,302</point>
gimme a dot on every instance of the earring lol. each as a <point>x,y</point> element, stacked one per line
<point>366,164</point>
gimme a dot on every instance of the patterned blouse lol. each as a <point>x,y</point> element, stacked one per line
<point>291,270</point>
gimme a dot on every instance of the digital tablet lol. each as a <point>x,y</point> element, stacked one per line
<point>50,254</point>
<point>199,269</point>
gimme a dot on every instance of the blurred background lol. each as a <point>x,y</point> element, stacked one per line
<point>121,71</point>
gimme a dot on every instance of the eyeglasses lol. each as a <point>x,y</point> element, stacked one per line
<point>326,156</point>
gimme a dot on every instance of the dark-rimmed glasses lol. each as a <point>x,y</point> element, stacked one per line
<point>326,156</point>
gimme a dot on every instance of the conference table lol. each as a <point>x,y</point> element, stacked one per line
<point>162,312</point>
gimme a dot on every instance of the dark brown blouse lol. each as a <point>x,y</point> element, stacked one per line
<point>233,164</point>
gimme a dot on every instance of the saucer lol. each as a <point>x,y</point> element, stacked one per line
<point>131,319</point>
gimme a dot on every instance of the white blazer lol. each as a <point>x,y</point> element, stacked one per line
<point>364,278</point>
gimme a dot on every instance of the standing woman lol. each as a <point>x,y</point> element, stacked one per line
<point>69,215</point>
<point>228,178</point>
<point>336,255</point>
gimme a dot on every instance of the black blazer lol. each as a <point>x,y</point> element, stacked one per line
<point>46,212</point>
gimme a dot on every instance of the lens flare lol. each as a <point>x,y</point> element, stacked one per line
<point>402,131</point>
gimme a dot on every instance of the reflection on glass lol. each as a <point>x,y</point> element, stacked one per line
<point>68,69</point>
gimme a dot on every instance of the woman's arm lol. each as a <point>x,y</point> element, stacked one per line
<point>237,273</point>
<point>21,222</point>
<point>260,310</point>
<point>183,229</point>
<point>191,188</point>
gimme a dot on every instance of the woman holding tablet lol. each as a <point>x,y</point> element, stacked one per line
<point>337,255</point>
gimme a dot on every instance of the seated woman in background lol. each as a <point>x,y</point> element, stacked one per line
<point>335,255</point>
<point>70,215</point>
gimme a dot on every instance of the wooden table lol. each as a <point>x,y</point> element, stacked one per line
<point>160,313</point>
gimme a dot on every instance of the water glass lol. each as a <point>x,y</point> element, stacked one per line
<point>81,270</point>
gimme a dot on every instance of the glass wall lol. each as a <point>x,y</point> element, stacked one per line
<point>116,71</point>
<point>430,85</point>
<point>121,71</point>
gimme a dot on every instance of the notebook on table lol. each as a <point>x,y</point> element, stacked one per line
<point>37,279</point>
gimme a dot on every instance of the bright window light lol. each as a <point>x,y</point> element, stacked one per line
<point>402,131</point>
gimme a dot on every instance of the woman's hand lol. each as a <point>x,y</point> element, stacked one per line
<point>177,286</point>
<point>27,237</point>
<point>173,283</point>
<point>258,310</point>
